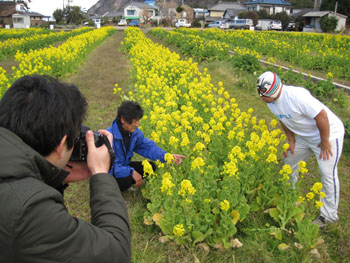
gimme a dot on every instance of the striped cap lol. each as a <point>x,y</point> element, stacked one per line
<point>269,84</point>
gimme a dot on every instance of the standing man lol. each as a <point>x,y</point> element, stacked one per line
<point>311,128</point>
<point>40,118</point>
<point>127,139</point>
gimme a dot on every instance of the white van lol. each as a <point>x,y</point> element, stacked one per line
<point>241,24</point>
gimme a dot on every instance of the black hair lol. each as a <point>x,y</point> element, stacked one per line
<point>41,110</point>
<point>130,110</point>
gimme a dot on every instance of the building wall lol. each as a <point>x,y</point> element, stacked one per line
<point>21,21</point>
<point>269,9</point>
<point>216,13</point>
<point>341,22</point>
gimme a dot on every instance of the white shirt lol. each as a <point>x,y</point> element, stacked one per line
<point>297,108</point>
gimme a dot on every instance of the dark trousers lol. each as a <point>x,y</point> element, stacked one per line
<point>126,182</point>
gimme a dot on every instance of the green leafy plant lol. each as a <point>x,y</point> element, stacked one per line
<point>328,23</point>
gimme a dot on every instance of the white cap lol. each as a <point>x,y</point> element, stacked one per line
<point>269,84</point>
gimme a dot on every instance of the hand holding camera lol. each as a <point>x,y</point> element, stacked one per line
<point>98,158</point>
<point>89,157</point>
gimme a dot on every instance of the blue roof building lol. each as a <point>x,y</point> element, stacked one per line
<point>270,6</point>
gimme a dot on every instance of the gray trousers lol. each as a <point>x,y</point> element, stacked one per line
<point>304,149</point>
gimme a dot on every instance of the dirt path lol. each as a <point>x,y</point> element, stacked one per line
<point>104,67</point>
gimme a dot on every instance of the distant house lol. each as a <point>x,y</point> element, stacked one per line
<point>139,10</point>
<point>312,20</point>
<point>16,16</point>
<point>114,14</point>
<point>168,11</point>
<point>187,13</point>
<point>7,8</point>
<point>270,6</point>
<point>231,14</point>
<point>200,13</point>
<point>97,19</point>
<point>36,19</point>
<point>217,11</point>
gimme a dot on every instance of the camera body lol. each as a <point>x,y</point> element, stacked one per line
<point>80,150</point>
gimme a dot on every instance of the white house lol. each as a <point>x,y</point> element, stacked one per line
<point>312,20</point>
<point>216,12</point>
<point>270,6</point>
<point>141,11</point>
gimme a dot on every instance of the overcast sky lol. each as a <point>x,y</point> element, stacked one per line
<point>47,7</point>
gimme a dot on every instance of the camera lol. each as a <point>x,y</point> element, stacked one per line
<point>80,150</point>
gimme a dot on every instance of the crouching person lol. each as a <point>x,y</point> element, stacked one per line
<point>40,118</point>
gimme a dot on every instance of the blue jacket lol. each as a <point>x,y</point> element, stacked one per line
<point>138,144</point>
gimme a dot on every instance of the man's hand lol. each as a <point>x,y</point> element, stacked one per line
<point>178,158</point>
<point>291,148</point>
<point>326,150</point>
<point>138,178</point>
<point>98,159</point>
<point>78,171</point>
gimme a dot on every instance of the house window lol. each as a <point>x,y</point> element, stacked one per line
<point>131,12</point>
<point>19,20</point>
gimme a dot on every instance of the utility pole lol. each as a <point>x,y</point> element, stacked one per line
<point>336,7</point>
<point>317,5</point>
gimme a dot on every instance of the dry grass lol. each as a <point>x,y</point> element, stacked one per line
<point>104,67</point>
<point>8,63</point>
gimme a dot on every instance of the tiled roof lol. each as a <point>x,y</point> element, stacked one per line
<point>234,12</point>
<point>7,8</point>
<point>222,6</point>
<point>321,14</point>
<point>268,2</point>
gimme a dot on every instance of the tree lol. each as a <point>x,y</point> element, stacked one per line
<point>74,15</point>
<point>250,15</point>
<point>24,3</point>
<point>263,14</point>
<point>146,15</point>
<point>58,14</point>
<point>300,4</point>
<point>179,9</point>
<point>283,17</point>
<point>69,15</point>
<point>328,23</point>
<point>343,6</point>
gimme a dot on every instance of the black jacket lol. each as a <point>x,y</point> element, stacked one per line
<point>34,223</point>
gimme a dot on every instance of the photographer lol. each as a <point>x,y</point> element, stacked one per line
<point>127,139</point>
<point>40,118</point>
<point>312,129</point>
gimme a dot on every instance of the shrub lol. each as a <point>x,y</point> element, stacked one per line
<point>250,15</point>
<point>328,24</point>
<point>246,62</point>
<point>196,23</point>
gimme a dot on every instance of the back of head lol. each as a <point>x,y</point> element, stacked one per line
<point>269,84</point>
<point>41,110</point>
<point>130,110</point>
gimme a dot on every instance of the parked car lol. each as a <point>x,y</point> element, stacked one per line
<point>182,23</point>
<point>122,22</point>
<point>275,25</point>
<point>134,22</point>
<point>291,26</point>
<point>216,24</point>
<point>224,25</point>
<point>241,24</point>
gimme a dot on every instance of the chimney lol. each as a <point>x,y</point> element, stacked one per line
<point>317,5</point>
